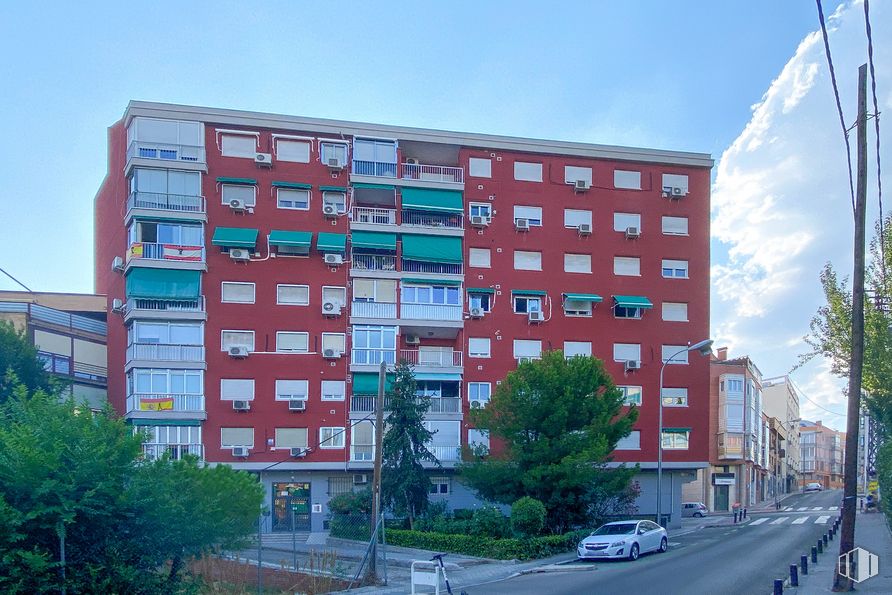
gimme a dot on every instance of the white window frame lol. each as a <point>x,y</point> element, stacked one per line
<point>675,267</point>
<point>324,143</point>
<point>284,393</point>
<point>623,221</point>
<point>527,171</point>
<point>667,351</point>
<point>226,446</point>
<point>624,179</point>
<point>573,218</point>
<point>621,350</point>
<point>292,333</point>
<point>254,136</point>
<point>675,397</point>
<point>332,437</point>
<point>238,385</point>
<point>673,443</point>
<point>672,310</point>
<point>632,441</point>
<point>339,201</point>
<point>340,290</point>
<point>621,262</point>
<point>579,348</point>
<point>480,258</point>
<point>669,181</point>
<point>478,299</point>
<point>478,386</point>
<point>528,300</point>
<point>437,483</point>
<point>283,444</point>
<point>585,268</point>
<point>225,200</point>
<point>308,193</point>
<point>224,347</point>
<point>480,167</point>
<point>627,389</point>
<point>308,141</point>
<point>326,391</point>
<point>475,347</point>
<point>668,221</point>
<point>480,207</point>
<point>574,312</point>
<point>342,341</point>
<point>532,214</point>
<point>280,286</point>
<point>224,284</point>
<point>528,254</point>
<point>572,173</point>
<point>531,348</point>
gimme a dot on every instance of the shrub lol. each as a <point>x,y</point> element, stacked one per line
<point>352,502</point>
<point>527,516</point>
<point>485,547</point>
<point>351,515</point>
<point>489,521</point>
<point>463,514</point>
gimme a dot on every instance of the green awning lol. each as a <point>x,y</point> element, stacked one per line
<point>432,248</point>
<point>243,181</point>
<point>373,239</point>
<point>441,377</point>
<point>331,242</point>
<point>170,284</point>
<point>584,297</point>
<point>291,238</point>
<point>367,383</point>
<point>449,201</point>
<point>632,301</point>
<point>235,237</point>
<point>527,292</point>
<point>165,422</point>
<point>332,189</point>
<point>374,186</point>
<point>433,282</point>
<point>293,185</point>
<point>489,290</point>
<point>676,430</point>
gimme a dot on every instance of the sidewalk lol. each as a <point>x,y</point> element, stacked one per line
<point>871,533</point>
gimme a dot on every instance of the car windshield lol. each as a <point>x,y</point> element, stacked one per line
<point>622,529</point>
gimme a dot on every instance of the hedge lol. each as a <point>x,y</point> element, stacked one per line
<point>486,547</point>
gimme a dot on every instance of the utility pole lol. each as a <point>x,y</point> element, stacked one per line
<point>376,482</point>
<point>847,532</point>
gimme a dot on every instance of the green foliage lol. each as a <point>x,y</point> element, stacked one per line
<point>884,478</point>
<point>488,521</point>
<point>527,517</point>
<point>559,420</point>
<point>358,501</point>
<point>351,515</point>
<point>487,547</point>
<point>19,364</point>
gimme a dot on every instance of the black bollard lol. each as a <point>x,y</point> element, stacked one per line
<point>794,575</point>
<point>803,562</point>
<point>824,539</point>
<point>820,547</point>
<point>778,586</point>
<point>735,517</point>
<point>830,534</point>
<point>744,513</point>
<point>814,555</point>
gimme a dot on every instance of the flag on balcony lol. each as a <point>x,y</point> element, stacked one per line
<point>135,251</point>
<point>188,253</point>
<point>156,404</point>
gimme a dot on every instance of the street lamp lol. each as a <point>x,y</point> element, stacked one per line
<point>704,347</point>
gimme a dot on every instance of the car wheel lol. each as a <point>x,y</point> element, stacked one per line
<point>698,514</point>
<point>664,545</point>
<point>633,552</point>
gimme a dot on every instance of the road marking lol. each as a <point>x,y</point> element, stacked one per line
<point>817,508</point>
<point>833,508</point>
<point>800,520</point>
<point>822,519</point>
<point>788,508</point>
<point>803,508</point>
<point>759,521</point>
<point>779,520</point>
<point>674,543</point>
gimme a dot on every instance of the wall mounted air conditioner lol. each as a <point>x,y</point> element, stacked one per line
<point>360,478</point>
<point>632,364</point>
<point>479,221</point>
<point>238,205</point>
<point>298,452</point>
<point>117,264</point>
<point>674,192</point>
<point>581,185</point>
<point>522,224</point>
<point>331,308</point>
<point>239,254</point>
<point>263,159</point>
<point>411,161</point>
<point>117,305</point>
<point>330,210</point>
<point>477,312</point>
<point>241,405</point>
<point>333,259</point>
<point>477,404</point>
<point>536,316</point>
<point>331,354</point>
<point>238,351</point>
<point>334,164</point>
<point>413,340</point>
<point>240,451</point>
<point>585,229</point>
<point>297,405</point>
<point>632,232</point>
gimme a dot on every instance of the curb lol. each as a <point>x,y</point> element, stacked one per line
<point>559,567</point>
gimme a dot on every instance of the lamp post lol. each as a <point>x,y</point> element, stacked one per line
<point>704,347</point>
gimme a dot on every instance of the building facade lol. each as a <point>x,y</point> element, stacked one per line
<point>780,402</point>
<point>822,453</point>
<point>261,267</point>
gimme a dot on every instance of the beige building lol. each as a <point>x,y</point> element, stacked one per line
<point>780,402</point>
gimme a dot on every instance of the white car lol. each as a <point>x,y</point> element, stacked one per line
<point>623,539</point>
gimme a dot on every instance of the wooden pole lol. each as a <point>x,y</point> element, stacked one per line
<point>376,483</point>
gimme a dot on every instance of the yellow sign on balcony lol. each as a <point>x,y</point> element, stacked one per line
<point>156,404</point>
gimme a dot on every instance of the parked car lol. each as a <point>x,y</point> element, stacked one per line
<point>623,539</point>
<point>813,487</point>
<point>697,509</point>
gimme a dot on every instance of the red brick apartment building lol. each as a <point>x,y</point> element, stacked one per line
<point>259,267</point>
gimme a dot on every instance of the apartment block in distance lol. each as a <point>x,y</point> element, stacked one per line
<point>260,267</point>
<point>780,402</point>
<point>822,450</point>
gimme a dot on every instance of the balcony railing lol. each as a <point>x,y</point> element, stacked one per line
<point>440,268</point>
<point>436,220</point>
<point>165,151</point>
<point>147,305</point>
<point>373,357</point>
<point>374,168</point>
<point>165,402</point>
<point>174,252</point>
<point>56,317</point>
<point>176,451</point>
<point>360,452</point>
<point>445,405</point>
<point>430,312</point>
<point>63,365</point>
<point>165,352</point>
<point>373,215</point>
<point>446,453</point>
<point>373,262</point>
<point>166,202</point>
<point>366,404</point>
<point>422,358</point>
<point>432,173</point>
<point>373,310</point>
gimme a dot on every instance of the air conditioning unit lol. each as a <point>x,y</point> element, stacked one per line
<point>585,229</point>
<point>117,264</point>
<point>360,478</point>
<point>331,308</point>
<point>581,185</point>
<point>477,404</point>
<point>522,224</point>
<point>298,452</point>
<point>334,164</point>
<point>330,210</point>
<point>238,351</point>
<point>117,305</point>
<point>479,221</point>
<point>240,451</point>
<point>477,312</point>
<point>331,354</point>
<point>524,359</point>
<point>413,340</point>
<point>674,192</point>
<point>241,405</point>
<point>239,254</point>
<point>411,161</point>
<point>238,206</point>
<point>263,159</point>
<point>632,232</point>
<point>297,405</point>
<point>632,364</point>
<point>334,259</point>
<point>536,316</point>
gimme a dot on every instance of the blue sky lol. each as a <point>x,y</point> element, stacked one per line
<point>674,75</point>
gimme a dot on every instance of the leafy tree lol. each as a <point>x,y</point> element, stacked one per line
<point>528,516</point>
<point>405,484</point>
<point>19,363</point>
<point>559,419</point>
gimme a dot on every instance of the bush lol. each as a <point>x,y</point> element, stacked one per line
<point>463,514</point>
<point>485,547</point>
<point>527,516</point>
<point>351,515</point>
<point>352,502</point>
<point>489,521</point>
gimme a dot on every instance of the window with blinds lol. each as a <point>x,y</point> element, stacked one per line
<point>627,265</point>
<point>234,292</point>
<point>230,437</point>
<point>236,389</point>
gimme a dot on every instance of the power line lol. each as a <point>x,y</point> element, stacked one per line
<point>28,289</point>
<point>876,122</point>
<point>802,393</point>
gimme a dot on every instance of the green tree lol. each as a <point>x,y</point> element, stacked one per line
<point>405,484</point>
<point>559,419</point>
<point>19,363</point>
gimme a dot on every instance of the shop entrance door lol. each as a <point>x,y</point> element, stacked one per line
<point>291,506</point>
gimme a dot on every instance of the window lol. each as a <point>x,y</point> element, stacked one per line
<point>246,194</point>
<point>163,333</point>
<point>735,385</point>
<point>524,304</point>
<point>166,233</point>
<point>577,263</point>
<point>333,150</point>
<point>331,437</point>
<point>527,172</point>
<point>333,390</point>
<point>671,181</point>
<point>161,381</point>
<point>236,389</point>
<point>577,308</point>
<point>292,295</point>
<point>239,145</point>
<point>290,198</point>
<point>630,442</point>
<point>480,209</point>
<point>175,441</point>
<point>478,439</point>
<point>439,486</point>
<point>572,173</point>
<point>527,349</point>
<point>480,168</point>
<point>374,290</point>
<point>527,261</point>
<point>677,269</point>
<point>532,214</point>
<point>675,226</point>
<point>624,352</point>
<point>292,342</point>
<point>480,300</point>
<point>675,397</point>
<point>188,135</point>
<point>626,180</point>
<point>338,199</point>
<point>362,441</point>
<point>478,347</point>
<point>631,394</point>
<point>235,292</point>
<point>480,257</point>
<point>675,311</point>
<point>334,294</point>
<point>230,437</point>
<point>479,393</point>
<point>291,438</point>
<point>334,341</point>
<point>623,221</point>
<point>442,295</point>
<point>374,344</point>
<point>292,149</point>
<point>292,390</point>
<point>370,150</point>
<point>236,338</point>
<point>152,183</point>
<point>574,348</point>
<point>676,439</point>
<point>575,217</point>
<point>678,353</point>
<point>627,265</point>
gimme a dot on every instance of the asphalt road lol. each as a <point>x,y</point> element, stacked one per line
<point>730,560</point>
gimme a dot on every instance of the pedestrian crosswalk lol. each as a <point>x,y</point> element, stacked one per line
<point>805,508</point>
<point>797,520</point>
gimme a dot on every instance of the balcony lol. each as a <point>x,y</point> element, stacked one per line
<point>412,218</point>
<point>170,253</point>
<point>730,446</point>
<point>373,216</point>
<point>445,404</point>
<point>373,357</point>
<point>432,173</point>
<point>373,310</point>
<point>377,169</point>
<point>437,359</point>
<point>153,450</point>
<point>360,453</point>
<point>431,312</point>
<point>435,268</point>
<point>172,204</point>
<point>373,262</point>
<point>164,308</point>
<point>165,152</point>
<point>62,365</point>
<point>165,352</point>
<point>446,454</point>
<point>364,404</point>
<point>164,403</point>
